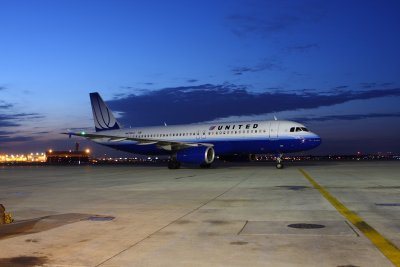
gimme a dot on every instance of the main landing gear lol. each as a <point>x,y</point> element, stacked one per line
<point>173,164</point>
<point>279,164</point>
<point>205,165</point>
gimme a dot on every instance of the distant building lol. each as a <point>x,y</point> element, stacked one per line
<point>20,158</point>
<point>67,157</point>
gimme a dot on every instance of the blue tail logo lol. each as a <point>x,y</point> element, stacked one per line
<point>102,115</point>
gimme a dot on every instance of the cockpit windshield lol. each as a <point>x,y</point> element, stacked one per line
<point>298,129</point>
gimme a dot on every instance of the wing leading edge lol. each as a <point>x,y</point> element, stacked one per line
<point>167,145</point>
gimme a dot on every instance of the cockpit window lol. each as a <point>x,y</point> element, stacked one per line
<point>298,129</point>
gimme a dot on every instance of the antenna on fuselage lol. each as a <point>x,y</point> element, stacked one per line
<point>165,124</point>
<point>275,118</point>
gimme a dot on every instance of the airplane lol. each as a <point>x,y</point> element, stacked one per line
<point>199,144</point>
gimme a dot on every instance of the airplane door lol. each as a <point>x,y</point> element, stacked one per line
<point>273,129</point>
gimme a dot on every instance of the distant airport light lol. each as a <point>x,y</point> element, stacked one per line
<point>50,150</point>
<point>83,133</point>
<point>87,151</point>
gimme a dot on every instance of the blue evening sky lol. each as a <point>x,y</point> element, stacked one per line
<point>333,65</point>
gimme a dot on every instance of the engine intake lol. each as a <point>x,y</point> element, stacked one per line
<point>196,155</point>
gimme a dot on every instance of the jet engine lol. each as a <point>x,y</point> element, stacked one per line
<point>196,155</point>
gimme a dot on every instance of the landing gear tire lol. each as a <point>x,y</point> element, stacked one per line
<point>173,164</point>
<point>205,166</point>
<point>279,164</point>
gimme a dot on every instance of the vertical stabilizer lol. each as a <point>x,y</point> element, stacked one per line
<point>102,115</point>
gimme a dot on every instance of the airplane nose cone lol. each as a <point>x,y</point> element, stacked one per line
<point>313,141</point>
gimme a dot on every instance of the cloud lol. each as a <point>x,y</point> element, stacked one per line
<point>192,80</point>
<point>6,138</point>
<point>4,105</point>
<point>341,87</point>
<point>368,85</point>
<point>5,121</point>
<point>303,48</point>
<point>264,65</point>
<point>242,25</point>
<point>387,84</point>
<point>2,88</point>
<point>43,132</point>
<point>126,87</point>
<point>207,102</point>
<point>349,117</point>
<point>79,129</point>
<point>4,133</point>
<point>276,16</point>
<point>9,120</point>
<point>376,85</point>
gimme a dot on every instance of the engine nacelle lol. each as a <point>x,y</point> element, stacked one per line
<point>196,155</point>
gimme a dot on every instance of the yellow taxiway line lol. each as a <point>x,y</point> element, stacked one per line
<point>385,246</point>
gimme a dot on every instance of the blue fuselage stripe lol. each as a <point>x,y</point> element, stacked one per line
<point>230,146</point>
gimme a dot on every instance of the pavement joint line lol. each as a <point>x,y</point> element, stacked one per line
<point>352,228</point>
<point>387,248</point>
<point>241,230</point>
<point>172,222</point>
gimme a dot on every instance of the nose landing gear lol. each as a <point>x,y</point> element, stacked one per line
<point>279,164</point>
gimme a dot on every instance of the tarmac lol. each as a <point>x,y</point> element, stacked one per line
<point>230,215</point>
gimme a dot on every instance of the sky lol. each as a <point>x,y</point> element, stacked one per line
<point>332,65</point>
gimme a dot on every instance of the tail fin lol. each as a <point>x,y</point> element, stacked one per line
<point>102,115</point>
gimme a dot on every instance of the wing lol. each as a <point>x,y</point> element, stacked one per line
<point>162,144</point>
